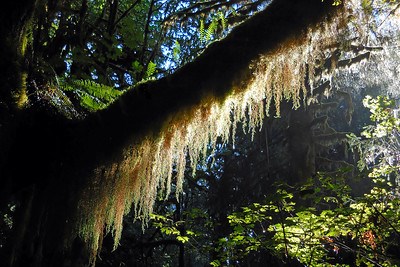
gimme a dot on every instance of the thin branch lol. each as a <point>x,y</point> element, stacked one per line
<point>357,48</point>
<point>112,17</point>
<point>354,60</point>
<point>390,14</point>
<point>363,253</point>
<point>126,12</point>
<point>283,230</point>
<point>187,10</point>
<point>193,10</point>
<point>146,35</point>
<point>386,220</point>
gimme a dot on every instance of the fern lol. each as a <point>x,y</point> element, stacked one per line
<point>206,35</point>
<point>212,28</point>
<point>223,20</point>
<point>90,103</point>
<point>151,69</point>
<point>92,96</point>
<point>202,31</point>
<point>176,50</point>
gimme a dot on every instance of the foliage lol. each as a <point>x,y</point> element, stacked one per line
<point>216,21</point>
<point>6,224</point>
<point>120,43</point>
<point>251,225</point>
<point>170,228</point>
<point>358,231</point>
<point>335,227</point>
<point>380,148</point>
<point>336,2</point>
<point>95,40</point>
<point>92,96</point>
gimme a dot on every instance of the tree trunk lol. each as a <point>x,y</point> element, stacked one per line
<point>16,20</point>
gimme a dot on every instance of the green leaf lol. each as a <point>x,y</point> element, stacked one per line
<point>202,31</point>
<point>215,263</point>
<point>182,239</point>
<point>176,50</point>
<point>151,68</point>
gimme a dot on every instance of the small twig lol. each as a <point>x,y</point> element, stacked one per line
<point>386,220</point>
<point>390,13</point>
<point>283,230</point>
<point>126,12</point>
<point>342,245</point>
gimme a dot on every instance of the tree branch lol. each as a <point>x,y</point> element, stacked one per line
<point>126,12</point>
<point>220,68</point>
<point>354,60</point>
<point>146,37</point>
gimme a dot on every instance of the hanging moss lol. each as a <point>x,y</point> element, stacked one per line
<point>150,165</point>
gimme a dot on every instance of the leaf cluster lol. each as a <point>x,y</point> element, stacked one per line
<point>321,222</point>
<point>92,96</point>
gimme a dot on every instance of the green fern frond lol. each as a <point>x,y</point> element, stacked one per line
<point>151,69</point>
<point>218,18</point>
<point>223,20</point>
<point>202,31</point>
<point>211,29</point>
<point>91,103</point>
<point>176,50</point>
<point>92,96</point>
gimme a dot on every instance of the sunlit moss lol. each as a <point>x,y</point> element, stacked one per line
<point>21,94</point>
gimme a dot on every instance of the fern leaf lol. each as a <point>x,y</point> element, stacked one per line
<point>211,29</point>
<point>90,103</point>
<point>202,30</point>
<point>151,68</point>
<point>176,50</point>
<point>222,18</point>
<point>93,96</point>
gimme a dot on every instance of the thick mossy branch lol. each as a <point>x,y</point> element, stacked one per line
<point>159,124</point>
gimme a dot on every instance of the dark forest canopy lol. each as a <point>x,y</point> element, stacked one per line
<point>74,174</point>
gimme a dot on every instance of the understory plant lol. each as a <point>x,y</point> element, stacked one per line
<point>324,222</point>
